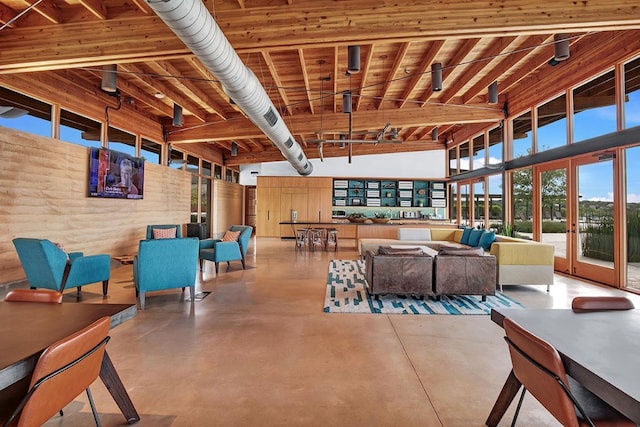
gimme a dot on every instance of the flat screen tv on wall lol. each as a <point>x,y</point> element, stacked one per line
<point>115,175</point>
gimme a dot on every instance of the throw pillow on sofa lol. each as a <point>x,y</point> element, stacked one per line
<point>474,237</point>
<point>465,235</point>
<point>487,239</point>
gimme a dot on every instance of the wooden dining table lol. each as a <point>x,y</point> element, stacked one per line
<point>27,329</point>
<point>601,350</point>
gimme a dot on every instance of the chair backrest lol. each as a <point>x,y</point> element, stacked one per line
<point>245,236</point>
<point>177,227</point>
<point>42,261</point>
<point>64,370</point>
<point>166,263</point>
<point>33,295</point>
<point>601,303</point>
<point>537,365</point>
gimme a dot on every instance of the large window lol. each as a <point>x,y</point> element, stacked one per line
<point>205,191</point>
<point>453,161</point>
<point>79,130</point>
<point>23,113</point>
<point>479,152</point>
<point>495,146</point>
<point>495,201</point>
<point>632,94</point>
<point>464,204</point>
<point>176,159</point>
<point>464,163</point>
<point>594,107</point>
<point>522,139</point>
<point>453,201</point>
<point>151,151</point>
<point>522,199</point>
<point>552,124</point>
<point>122,141</point>
<point>478,204</point>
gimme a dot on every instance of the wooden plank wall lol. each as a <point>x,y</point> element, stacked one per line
<point>43,194</point>
<point>227,206</point>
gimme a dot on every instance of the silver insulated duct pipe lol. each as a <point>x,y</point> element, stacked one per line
<point>193,24</point>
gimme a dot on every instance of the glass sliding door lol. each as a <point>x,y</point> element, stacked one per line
<point>593,232</point>
<point>632,201</point>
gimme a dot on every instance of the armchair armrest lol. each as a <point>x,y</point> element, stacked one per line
<point>74,255</point>
<point>208,243</point>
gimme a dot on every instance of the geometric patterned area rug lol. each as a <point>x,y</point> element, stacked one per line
<point>347,293</point>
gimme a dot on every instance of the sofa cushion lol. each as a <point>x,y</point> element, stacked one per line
<point>487,239</point>
<point>388,250</point>
<point>474,237</point>
<point>465,235</point>
<point>461,252</point>
<point>414,234</point>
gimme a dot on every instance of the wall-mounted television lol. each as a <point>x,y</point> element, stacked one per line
<point>115,175</point>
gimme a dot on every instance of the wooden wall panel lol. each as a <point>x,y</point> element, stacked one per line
<point>227,206</point>
<point>43,194</point>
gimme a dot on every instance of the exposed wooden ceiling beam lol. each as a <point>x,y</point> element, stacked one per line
<point>418,74</point>
<point>334,122</point>
<point>157,84</point>
<point>447,69</point>
<point>389,79</point>
<point>6,15</point>
<point>188,87</point>
<point>96,7</point>
<point>320,23</point>
<point>276,80</point>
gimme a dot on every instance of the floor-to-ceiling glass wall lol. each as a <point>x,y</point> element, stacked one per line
<point>479,216</point>
<point>522,204</point>
<point>553,210</point>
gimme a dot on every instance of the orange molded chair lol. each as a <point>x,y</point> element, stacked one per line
<point>538,367</point>
<point>601,303</point>
<point>63,371</point>
<point>33,295</point>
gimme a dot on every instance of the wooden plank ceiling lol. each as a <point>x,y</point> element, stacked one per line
<point>298,50</point>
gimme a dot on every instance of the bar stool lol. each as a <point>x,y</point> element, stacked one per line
<point>315,238</point>
<point>302,237</point>
<point>331,239</point>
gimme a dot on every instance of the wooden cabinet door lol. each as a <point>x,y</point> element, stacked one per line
<point>268,212</point>
<point>292,199</point>
<point>319,204</point>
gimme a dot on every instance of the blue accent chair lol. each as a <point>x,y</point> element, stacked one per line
<point>218,251</point>
<point>150,228</point>
<point>47,266</point>
<point>165,264</point>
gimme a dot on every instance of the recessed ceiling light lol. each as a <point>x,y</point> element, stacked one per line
<point>159,95</point>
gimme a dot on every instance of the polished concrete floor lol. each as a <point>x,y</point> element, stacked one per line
<point>259,351</point>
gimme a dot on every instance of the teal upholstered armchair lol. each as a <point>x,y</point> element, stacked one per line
<point>48,266</point>
<point>219,251</point>
<point>165,264</point>
<point>164,228</point>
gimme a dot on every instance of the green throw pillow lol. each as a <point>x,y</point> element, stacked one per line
<point>487,239</point>
<point>474,237</point>
<point>465,235</point>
